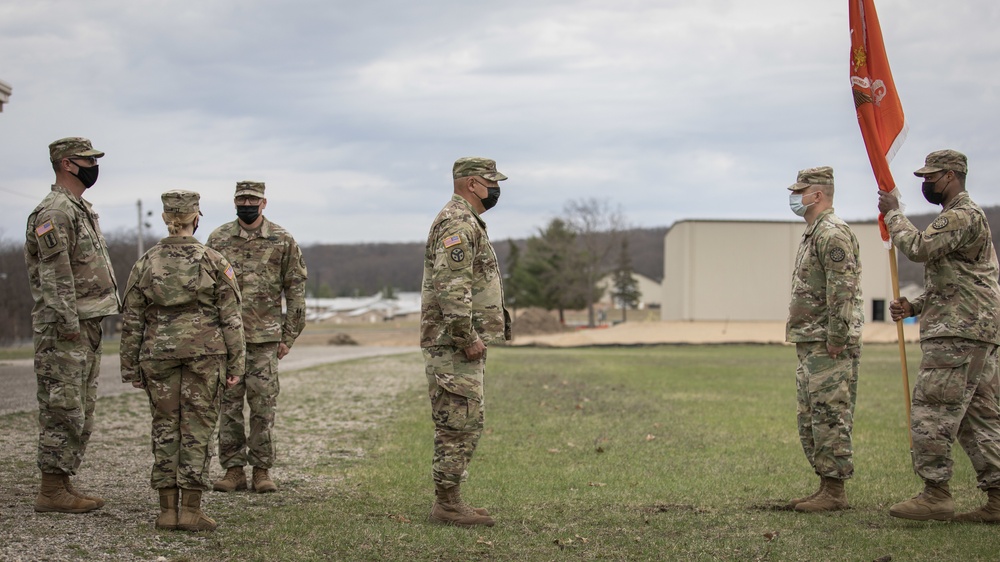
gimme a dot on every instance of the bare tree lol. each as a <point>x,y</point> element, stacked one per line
<point>598,227</point>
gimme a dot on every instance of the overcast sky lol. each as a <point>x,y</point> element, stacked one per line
<point>353,112</point>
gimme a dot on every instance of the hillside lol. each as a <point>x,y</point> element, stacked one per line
<point>342,269</point>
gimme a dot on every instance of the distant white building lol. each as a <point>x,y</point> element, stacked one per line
<point>650,291</point>
<point>742,270</point>
<point>363,309</point>
<point>5,90</point>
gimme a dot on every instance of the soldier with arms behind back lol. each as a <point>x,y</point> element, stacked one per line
<point>956,394</point>
<point>74,288</point>
<point>182,340</point>
<point>461,314</point>
<point>825,318</point>
<point>268,263</point>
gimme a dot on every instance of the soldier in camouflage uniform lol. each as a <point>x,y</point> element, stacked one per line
<point>825,318</point>
<point>956,394</point>
<point>268,263</point>
<point>182,339</point>
<point>461,314</point>
<point>74,288</point>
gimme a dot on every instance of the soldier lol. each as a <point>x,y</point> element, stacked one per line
<point>74,289</point>
<point>956,392</point>
<point>461,314</point>
<point>182,337</point>
<point>825,318</point>
<point>268,263</point>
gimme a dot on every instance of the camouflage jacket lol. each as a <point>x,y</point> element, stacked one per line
<point>961,296</point>
<point>826,300</point>
<point>268,262</point>
<point>181,301</point>
<point>68,265</point>
<point>462,294</point>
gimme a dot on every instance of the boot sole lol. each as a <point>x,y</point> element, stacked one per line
<point>56,510</point>
<point>936,516</point>
<point>437,521</point>
<point>236,489</point>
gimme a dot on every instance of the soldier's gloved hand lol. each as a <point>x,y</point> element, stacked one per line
<point>282,350</point>
<point>475,351</point>
<point>900,309</point>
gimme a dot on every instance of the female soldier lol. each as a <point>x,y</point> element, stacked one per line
<point>182,335</point>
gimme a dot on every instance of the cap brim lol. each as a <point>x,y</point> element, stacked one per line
<point>494,176</point>
<point>927,170</point>
<point>798,185</point>
<point>243,192</point>
<point>90,153</point>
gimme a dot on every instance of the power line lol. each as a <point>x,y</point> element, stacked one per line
<point>12,192</point>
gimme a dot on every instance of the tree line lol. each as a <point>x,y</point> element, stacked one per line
<point>556,268</point>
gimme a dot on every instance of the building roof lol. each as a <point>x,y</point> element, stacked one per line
<point>5,91</point>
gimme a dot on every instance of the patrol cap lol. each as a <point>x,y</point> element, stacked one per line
<point>251,188</point>
<point>822,175</point>
<point>941,160</point>
<point>72,146</point>
<point>180,202</point>
<point>475,166</point>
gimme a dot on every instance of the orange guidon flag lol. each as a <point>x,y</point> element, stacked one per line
<point>880,113</point>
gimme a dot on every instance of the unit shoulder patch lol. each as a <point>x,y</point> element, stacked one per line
<point>940,223</point>
<point>837,254</point>
<point>457,255</point>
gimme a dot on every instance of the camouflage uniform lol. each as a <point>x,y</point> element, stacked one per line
<point>74,288</point>
<point>182,335</point>
<point>461,302</point>
<point>956,393</point>
<point>826,308</point>
<point>268,262</point>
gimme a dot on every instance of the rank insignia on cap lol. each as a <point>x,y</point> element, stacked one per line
<point>457,255</point>
<point>43,228</point>
<point>230,273</point>
<point>452,241</point>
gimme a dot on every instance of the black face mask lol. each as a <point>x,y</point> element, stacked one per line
<point>87,176</point>
<point>248,213</point>
<point>932,197</point>
<point>491,200</point>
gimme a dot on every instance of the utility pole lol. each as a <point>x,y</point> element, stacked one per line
<point>139,241</point>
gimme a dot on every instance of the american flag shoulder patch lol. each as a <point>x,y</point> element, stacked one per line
<point>43,228</point>
<point>230,273</point>
<point>452,241</point>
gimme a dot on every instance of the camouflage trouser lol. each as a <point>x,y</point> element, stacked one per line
<point>455,387</point>
<point>260,387</point>
<point>827,389</point>
<point>66,372</point>
<point>184,401</point>
<point>956,396</point>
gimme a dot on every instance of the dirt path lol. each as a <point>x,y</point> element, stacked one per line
<point>325,415</point>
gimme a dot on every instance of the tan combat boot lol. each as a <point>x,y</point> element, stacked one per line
<point>797,501</point>
<point>53,496</point>
<point>449,509</point>
<point>168,508</point>
<point>262,483</point>
<point>479,510</point>
<point>81,495</point>
<point>831,497</point>
<point>989,513</point>
<point>191,517</point>
<point>933,503</point>
<point>235,479</point>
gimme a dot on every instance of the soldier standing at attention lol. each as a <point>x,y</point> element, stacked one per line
<point>182,337</point>
<point>74,289</point>
<point>461,314</point>
<point>268,263</point>
<point>825,318</point>
<point>956,392</point>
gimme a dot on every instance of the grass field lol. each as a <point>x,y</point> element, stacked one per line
<point>663,453</point>
<point>639,453</point>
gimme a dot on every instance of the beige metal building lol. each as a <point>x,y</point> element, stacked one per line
<point>742,270</point>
